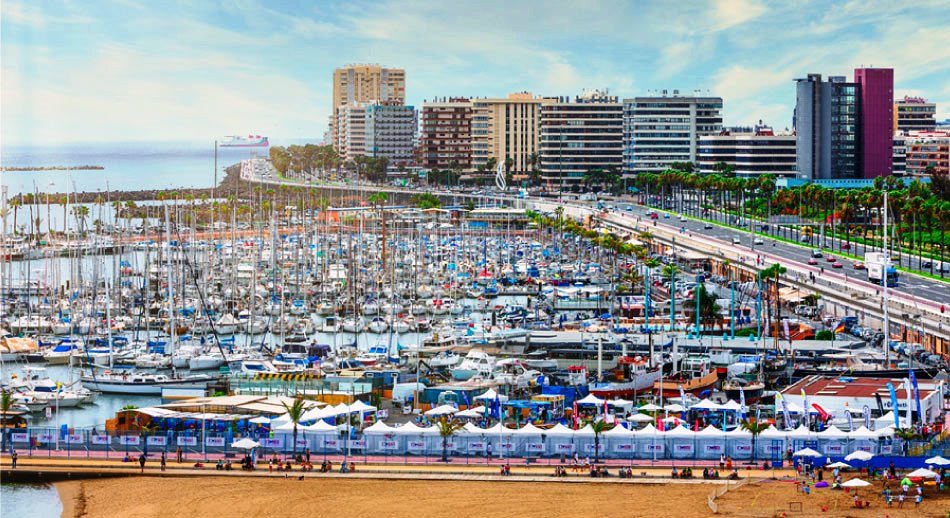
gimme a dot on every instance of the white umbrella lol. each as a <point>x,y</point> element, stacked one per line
<point>260,420</point>
<point>674,408</point>
<point>640,418</point>
<point>245,444</point>
<point>859,455</point>
<point>807,452</point>
<point>650,407</point>
<point>922,473</point>
<point>938,461</point>
<point>856,482</point>
<point>839,464</point>
<point>442,410</point>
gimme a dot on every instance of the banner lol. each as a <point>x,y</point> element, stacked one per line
<point>20,437</point>
<point>187,441</point>
<point>867,414</point>
<point>506,446</point>
<point>476,446</point>
<point>785,415</point>
<point>833,449</point>
<point>564,448</point>
<point>75,438</point>
<point>589,448</point>
<point>897,416</point>
<point>654,447</point>
<point>387,445</point>
<point>155,440</point>
<point>331,443</point>
<point>910,416</point>
<point>49,437</point>
<point>683,448</point>
<point>416,445</point>
<point>272,442</point>
<point>218,442</point>
<point>913,382</point>
<point>623,448</point>
<point>534,447</point>
<point>712,448</point>
<point>130,440</point>
<point>101,439</point>
<point>742,448</point>
<point>358,444</point>
<point>301,442</point>
<point>887,449</point>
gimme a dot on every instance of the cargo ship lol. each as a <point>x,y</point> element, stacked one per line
<point>248,141</point>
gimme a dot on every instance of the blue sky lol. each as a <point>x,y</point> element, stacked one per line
<point>75,71</point>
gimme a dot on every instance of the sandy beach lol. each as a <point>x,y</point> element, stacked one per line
<point>253,497</point>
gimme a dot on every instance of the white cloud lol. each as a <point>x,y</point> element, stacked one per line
<point>30,16</point>
<point>726,14</point>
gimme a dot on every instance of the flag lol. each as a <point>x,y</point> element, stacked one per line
<point>909,391</point>
<point>897,416</point>
<point>913,382</point>
<point>575,414</point>
<point>682,396</point>
<point>742,407</point>
<point>823,414</point>
<point>806,410</point>
<point>605,409</point>
<point>500,181</point>
<point>660,425</point>
<point>850,419</point>
<point>839,328</point>
<point>785,415</point>
<point>867,416</point>
<point>880,404</point>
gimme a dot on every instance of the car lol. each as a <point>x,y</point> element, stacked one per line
<point>816,253</point>
<point>830,259</point>
<point>859,266</point>
<point>837,264</point>
<point>846,246</point>
<point>654,215</point>
<point>736,241</point>
<point>758,241</point>
<point>812,261</point>
<point>682,219</point>
<point>666,215</point>
<point>707,226</point>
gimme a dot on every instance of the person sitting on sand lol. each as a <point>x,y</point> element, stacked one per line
<point>219,465</point>
<point>675,474</point>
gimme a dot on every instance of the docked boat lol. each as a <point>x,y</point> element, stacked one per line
<point>142,383</point>
<point>632,375</point>
<point>475,363</point>
<point>697,375</point>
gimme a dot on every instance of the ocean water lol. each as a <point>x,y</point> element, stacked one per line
<point>128,165</point>
<point>33,500</point>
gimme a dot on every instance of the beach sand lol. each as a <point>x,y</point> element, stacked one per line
<point>255,496</point>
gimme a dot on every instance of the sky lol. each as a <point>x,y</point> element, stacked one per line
<point>73,71</point>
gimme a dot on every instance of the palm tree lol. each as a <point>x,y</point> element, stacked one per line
<point>774,272</point>
<point>755,428</point>
<point>447,428</point>
<point>295,414</point>
<point>599,427</point>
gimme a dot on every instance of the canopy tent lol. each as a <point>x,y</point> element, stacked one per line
<point>863,433</point>
<point>839,464</point>
<point>379,427</point>
<point>590,400</point>
<point>706,404</point>
<point>472,412</point>
<point>856,482</point>
<point>802,432</point>
<point>361,407</point>
<point>619,402</point>
<point>731,406</point>
<point>675,407</point>
<point>413,429</point>
<point>832,432</point>
<point>245,444</point>
<point>491,395</point>
<point>260,420</point>
<point>650,407</point>
<point>320,427</point>
<point>640,418</point>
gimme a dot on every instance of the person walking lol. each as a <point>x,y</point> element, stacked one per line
<point>142,463</point>
<point>918,500</point>
<point>13,457</point>
<point>900,501</point>
<point>163,462</point>
<point>179,453</point>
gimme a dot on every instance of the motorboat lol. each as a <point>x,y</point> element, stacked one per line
<point>475,363</point>
<point>632,375</point>
<point>142,383</point>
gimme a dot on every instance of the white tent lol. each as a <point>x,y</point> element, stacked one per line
<point>832,433</point>
<point>413,429</point>
<point>732,406</point>
<point>528,429</point>
<point>379,427</point>
<point>619,431</point>
<point>441,410</point>
<point>491,395</point>
<point>361,407</point>
<point>922,473</point>
<point>245,444</point>
<point>619,402</point>
<point>856,482</point>
<point>590,399</point>
<point>772,433</point>
<point>838,464</point>
<point>560,430</point>
<point>937,461</point>
<point>560,440</point>
<point>675,407</point>
<point>320,427</point>
<point>650,407</point>
<point>706,404</point>
<point>863,433</point>
<point>470,428</point>
<point>711,431</point>
<point>802,432</point>
<point>260,420</point>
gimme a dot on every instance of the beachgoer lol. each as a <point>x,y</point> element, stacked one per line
<point>722,460</point>
<point>918,500</point>
<point>142,463</point>
<point>13,457</point>
<point>900,501</point>
<point>179,453</point>
<point>163,461</point>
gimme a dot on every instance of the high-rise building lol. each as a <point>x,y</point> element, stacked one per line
<point>899,162</point>
<point>350,130</point>
<point>508,128</point>
<point>928,149</point>
<point>826,125</point>
<point>579,136</point>
<point>391,134</point>
<point>754,153</point>
<point>914,114</point>
<point>659,131</point>
<point>876,120</point>
<point>364,84</point>
<point>446,136</point>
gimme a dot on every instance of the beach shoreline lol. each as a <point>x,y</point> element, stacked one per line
<point>70,494</point>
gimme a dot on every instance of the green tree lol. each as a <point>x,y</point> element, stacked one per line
<point>755,428</point>
<point>599,427</point>
<point>295,413</point>
<point>447,428</point>
<point>426,200</point>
